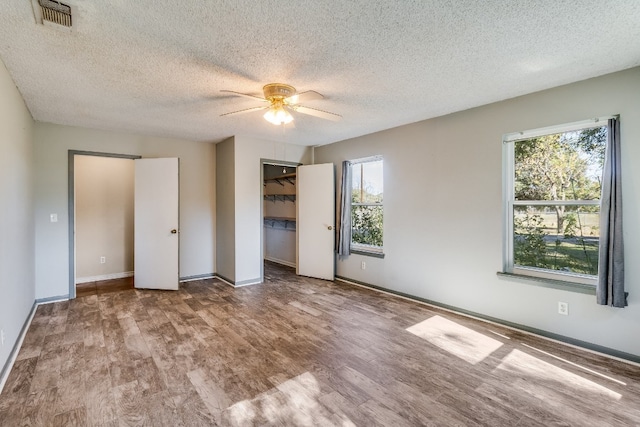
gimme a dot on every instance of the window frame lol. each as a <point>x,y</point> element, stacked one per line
<point>509,202</point>
<point>359,248</point>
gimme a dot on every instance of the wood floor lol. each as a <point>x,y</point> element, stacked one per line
<point>299,351</point>
<point>103,286</point>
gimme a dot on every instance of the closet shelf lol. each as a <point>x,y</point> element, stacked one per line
<point>280,219</point>
<point>280,179</point>
<point>281,197</point>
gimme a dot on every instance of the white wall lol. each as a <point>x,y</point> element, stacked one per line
<point>443,225</point>
<point>16,213</point>
<point>197,197</point>
<point>104,188</point>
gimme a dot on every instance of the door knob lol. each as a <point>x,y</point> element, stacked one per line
<point>329,228</point>
<point>174,231</point>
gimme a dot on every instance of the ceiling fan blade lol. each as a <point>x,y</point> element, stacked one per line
<point>246,110</point>
<point>318,113</point>
<point>246,95</point>
<point>308,95</point>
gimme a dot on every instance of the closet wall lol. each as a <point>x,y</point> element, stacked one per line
<point>279,237</point>
<point>239,171</point>
<point>104,217</point>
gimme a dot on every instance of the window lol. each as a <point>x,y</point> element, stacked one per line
<point>552,192</point>
<point>366,205</point>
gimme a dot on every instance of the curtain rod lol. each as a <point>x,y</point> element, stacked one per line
<point>567,127</point>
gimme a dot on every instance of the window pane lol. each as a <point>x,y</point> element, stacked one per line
<point>563,166</point>
<point>367,182</point>
<point>562,238</point>
<point>366,224</point>
<point>356,180</point>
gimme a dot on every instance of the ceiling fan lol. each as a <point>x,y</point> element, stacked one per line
<point>280,100</point>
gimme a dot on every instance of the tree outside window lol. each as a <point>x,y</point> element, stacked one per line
<point>367,205</point>
<point>556,201</point>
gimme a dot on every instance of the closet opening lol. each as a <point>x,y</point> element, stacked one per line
<point>101,191</point>
<point>279,212</point>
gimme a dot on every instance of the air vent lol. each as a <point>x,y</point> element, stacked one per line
<point>53,13</point>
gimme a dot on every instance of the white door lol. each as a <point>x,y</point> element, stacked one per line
<point>315,202</point>
<point>156,224</point>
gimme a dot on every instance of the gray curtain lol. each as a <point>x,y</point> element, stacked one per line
<point>610,288</point>
<point>344,238</point>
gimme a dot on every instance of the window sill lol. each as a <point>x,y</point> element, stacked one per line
<point>365,252</point>
<point>551,283</point>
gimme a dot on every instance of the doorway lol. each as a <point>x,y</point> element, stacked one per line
<point>101,187</point>
<point>278,212</point>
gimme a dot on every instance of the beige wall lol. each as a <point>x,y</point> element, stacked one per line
<point>225,210</point>
<point>280,244</point>
<point>248,195</point>
<point>443,227</point>
<point>104,216</point>
<point>244,177</point>
<point>16,213</point>
<point>197,197</point>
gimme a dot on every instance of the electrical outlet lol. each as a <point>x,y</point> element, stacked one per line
<point>103,260</point>
<point>563,308</point>
<point>53,217</point>
<point>363,265</point>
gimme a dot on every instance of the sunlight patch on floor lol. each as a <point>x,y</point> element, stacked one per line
<point>293,402</point>
<point>462,342</point>
<point>524,366</point>
<point>584,368</point>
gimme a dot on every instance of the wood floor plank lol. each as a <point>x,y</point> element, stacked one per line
<point>312,311</point>
<point>343,409</point>
<point>99,399</point>
<point>58,322</point>
<point>18,382</point>
<point>71,392</point>
<point>39,409</point>
<point>213,397</point>
<point>376,414</point>
<point>73,418</point>
<point>148,376</point>
<point>163,411</point>
<point>379,394</point>
<point>33,342</point>
<point>299,351</point>
<point>47,371</point>
<point>193,411</point>
<point>131,405</point>
<point>136,347</point>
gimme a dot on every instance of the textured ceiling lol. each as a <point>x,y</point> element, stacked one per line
<point>157,67</point>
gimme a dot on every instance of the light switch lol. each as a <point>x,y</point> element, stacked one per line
<point>53,217</point>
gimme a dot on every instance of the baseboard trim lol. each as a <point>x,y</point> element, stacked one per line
<point>111,276</point>
<point>225,280</point>
<point>4,374</point>
<point>561,339</point>
<point>49,300</point>
<point>239,284</point>
<point>281,261</point>
<point>247,282</point>
<point>197,277</point>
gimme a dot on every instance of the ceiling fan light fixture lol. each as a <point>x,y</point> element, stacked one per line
<point>277,115</point>
<point>284,99</point>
